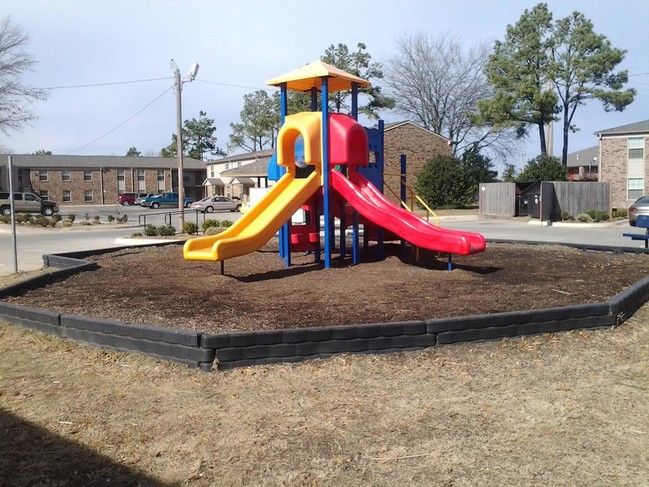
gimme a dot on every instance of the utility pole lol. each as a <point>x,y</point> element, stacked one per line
<point>179,146</point>
<point>179,136</point>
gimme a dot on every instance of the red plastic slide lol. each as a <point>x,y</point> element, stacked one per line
<point>373,205</point>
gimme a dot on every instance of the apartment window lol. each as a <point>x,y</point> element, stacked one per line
<point>212,171</point>
<point>43,176</point>
<point>87,175</point>
<point>161,175</point>
<point>636,147</point>
<point>141,185</point>
<point>65,175</point>
<point>67,196</point>
<point>87,196</point>
<point>635,188</point>
<point>227,166</point>
<point>45,195</point>
<point>120,175</point>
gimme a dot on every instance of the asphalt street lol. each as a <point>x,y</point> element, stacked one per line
<point>33,242</point>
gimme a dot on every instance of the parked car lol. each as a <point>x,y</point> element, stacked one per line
<point>166,199</point>
<point>126,199</point>
<point>143,196</point>
<point>216,203</point>
<point>27,203</point>
<point>639,207</point>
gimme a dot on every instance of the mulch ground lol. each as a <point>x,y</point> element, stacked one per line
<point>155,285</point>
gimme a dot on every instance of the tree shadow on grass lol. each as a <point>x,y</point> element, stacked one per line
<point>31,455</point>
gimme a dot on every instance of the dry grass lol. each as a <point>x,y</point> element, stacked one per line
<point>567,409</point>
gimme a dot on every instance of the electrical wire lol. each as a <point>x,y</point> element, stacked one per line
<point>105,84</point>
<point>127,120</point>
<point>232,85</point>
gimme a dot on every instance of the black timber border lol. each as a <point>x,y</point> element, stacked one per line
<point>236,349</point>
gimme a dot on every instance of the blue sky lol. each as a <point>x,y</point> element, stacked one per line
<point>240,45</point>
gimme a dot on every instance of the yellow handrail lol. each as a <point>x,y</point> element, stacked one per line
<point>416,196</point>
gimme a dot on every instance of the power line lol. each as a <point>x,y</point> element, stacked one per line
<point>232,85</point>
<point>105,84</point>
<point>125,121</point>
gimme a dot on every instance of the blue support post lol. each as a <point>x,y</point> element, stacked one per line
<point>314,99</point>
<point>355,101</point>
<point>402,194</point>
<point>355,238</point>
<point>325,170</point>
<point>343,225</point>
<point>283,232</point>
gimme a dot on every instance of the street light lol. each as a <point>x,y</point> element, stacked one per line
<point>193,71</point>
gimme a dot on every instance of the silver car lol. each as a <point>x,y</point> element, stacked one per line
<point>216,203</point>
<point>639,207</point>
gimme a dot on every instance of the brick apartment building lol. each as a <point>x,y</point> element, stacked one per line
<point>623,153</point>
<point>417,143</point>
<point>99,179</point>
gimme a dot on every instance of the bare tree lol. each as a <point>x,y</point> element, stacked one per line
<point>14,95</point>
<point>436,82</point>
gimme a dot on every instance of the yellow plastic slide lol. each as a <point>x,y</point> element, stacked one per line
<point>259,224</point>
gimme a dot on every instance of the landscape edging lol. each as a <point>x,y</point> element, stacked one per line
<point>229,350</point>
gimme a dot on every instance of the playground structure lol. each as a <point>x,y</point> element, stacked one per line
<point>334,180</point>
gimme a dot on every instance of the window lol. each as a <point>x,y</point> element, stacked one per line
<point>65,175</point>
<point>212,171</point>
<point>44,194</point>
<point>635,188</point>
<point>67,196</point>
<point>42,175</point>
<point>87,175</point>
<point>161,175</point>
<point>87,196</point>
<point>636,147</point>
<point>141,185</point>
<point>120,174</point>
<point>227,166</point>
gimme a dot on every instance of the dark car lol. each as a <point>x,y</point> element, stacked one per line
<point>639,207</point>
<point>126,199</point>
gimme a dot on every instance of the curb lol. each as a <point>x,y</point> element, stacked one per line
<point>237,349</point>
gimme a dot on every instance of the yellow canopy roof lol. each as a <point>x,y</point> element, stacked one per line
<point>310,76</point>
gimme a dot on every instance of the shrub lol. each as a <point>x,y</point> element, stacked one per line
<point>226,223</point>
<point>72,217</point>
<point>210,223</point>
<point>5,219</point>
<point>190,228</point>
<point>110,218</point>
<point>66,223</point>
<point>166,230</point>
<point>584,218</point>
<point>136,234</point>
<point>85,222</point>
<point>122,219</point>
<point>96,218</point>
<point>56,218</point>
<point>565,216</point>
<point>40,221</point>
<point>150,230</point>
<point>619,213</point>
<point>213,231</point>
<point>598,215</point>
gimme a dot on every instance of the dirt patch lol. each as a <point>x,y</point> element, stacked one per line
<point>155,285</point>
